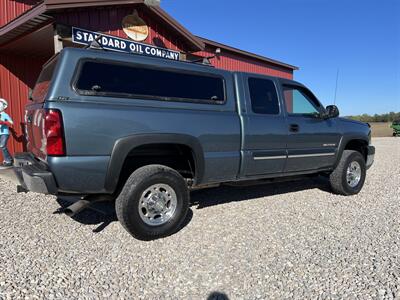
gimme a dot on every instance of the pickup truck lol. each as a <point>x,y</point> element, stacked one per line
<point>145,132</point>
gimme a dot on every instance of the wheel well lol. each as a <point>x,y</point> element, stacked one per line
<point>358,145</point>
<point>176,156</point>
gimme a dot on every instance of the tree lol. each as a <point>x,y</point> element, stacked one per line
<point>389,117</point>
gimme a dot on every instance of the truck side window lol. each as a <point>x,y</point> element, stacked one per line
<point>263,95</point>
<point>298,102</point>
<point>130,81</point>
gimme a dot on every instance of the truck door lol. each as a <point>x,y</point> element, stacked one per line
<point>264,127</point>
<point>312,140</point>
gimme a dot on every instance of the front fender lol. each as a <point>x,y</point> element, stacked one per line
<point>345,140</point>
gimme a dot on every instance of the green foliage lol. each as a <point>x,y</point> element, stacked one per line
<point>390,117</point>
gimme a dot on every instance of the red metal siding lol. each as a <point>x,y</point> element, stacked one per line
<point>17,75</point>
<point>109,20</point>
<point>10,9</point>
<point>235,62</point>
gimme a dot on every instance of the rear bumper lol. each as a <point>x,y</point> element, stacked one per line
<point>34,175</point>
<point>370,156</point>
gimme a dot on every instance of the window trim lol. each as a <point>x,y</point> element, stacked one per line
<point>308,95</point>
<point>80,92</point>
<point>276,91</point>
<point>54,60</point>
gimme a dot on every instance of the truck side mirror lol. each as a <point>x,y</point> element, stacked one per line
<point>332,111</point>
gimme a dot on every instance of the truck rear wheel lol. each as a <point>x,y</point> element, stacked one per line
<point>349,176</point>
<point>153,203</point>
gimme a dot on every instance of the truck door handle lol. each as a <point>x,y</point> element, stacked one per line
<point>294,128</point>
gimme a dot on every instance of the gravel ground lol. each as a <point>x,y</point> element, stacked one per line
<point>275,241</point>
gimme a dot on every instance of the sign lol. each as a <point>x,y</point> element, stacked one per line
<point>135,27</point>
<point>108,42</point>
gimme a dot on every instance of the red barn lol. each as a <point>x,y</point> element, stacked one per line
<point>33,31</point>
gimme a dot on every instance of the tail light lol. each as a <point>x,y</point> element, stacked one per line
<point>54,133</point>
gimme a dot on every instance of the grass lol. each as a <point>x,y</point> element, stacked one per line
<point>381,129</point>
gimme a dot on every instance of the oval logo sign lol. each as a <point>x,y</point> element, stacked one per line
<point>135,28</point>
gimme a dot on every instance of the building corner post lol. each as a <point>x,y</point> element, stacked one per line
<point>58,42</point>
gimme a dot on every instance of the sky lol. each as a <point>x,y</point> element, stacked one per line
<point>359,39</point>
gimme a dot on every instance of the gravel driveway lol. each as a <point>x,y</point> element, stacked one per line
<point>288,240</point>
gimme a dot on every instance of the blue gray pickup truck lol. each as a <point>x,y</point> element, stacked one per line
<point>145,132</point>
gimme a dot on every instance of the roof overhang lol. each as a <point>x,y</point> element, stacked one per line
<point>167,19</point>
<point>247,54</point>
<point>28,45</point>
<point>25,23</point>
<point>40,15</point>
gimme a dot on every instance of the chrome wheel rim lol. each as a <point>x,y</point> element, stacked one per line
<point>353,175</point>
<point>157,204</point>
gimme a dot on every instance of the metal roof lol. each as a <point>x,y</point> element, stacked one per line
<point>247,54</point>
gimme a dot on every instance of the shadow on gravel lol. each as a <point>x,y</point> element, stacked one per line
<point>103,213</point>
<point>217,296</point>
<point>227,194</point>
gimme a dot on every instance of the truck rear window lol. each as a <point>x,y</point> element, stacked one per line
<point>108,79</point>
<point>43,83</point>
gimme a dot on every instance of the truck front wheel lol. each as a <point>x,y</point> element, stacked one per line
<point>153,203</point>
<point>349,176</point>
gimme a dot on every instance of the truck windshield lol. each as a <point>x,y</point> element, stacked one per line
<point>42,85</point>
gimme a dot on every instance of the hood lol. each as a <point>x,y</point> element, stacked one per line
<point>354,121</point>
<point>355,128</point>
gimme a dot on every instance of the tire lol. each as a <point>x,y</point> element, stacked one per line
<point>338,178</point>
<point>153,187</point>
